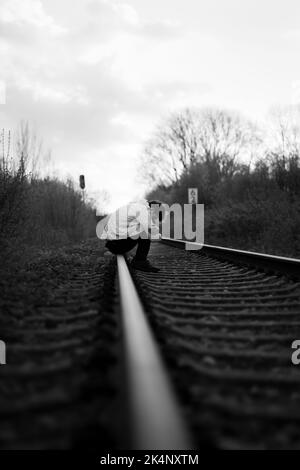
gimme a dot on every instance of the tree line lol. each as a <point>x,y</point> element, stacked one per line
<point>37,210</point>
<point>247,175</point>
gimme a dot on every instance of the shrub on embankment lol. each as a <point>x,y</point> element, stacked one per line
<point>250,216</point>
<point>39,212</point>
<point>252,205</point>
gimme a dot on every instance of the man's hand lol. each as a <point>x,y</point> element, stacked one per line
<point>156,237</point>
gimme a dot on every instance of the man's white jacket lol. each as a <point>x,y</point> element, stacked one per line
<point>130,221</point>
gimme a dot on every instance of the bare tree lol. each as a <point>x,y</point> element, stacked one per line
<point>170,149</point>
<point>284,134</point>
<point>226,140</point>
<point>215,137</point>
<point>283,149</point>
<point>29,149</point>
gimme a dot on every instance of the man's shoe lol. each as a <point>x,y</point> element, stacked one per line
<point>143,265</point>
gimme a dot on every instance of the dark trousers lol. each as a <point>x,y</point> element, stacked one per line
<point>119,247</point>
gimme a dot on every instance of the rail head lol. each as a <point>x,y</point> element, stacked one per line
<point>271,263</point>
<point>155,419</point>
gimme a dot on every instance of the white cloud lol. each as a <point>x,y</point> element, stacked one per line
<point>140,62</point>
<point>292,35</point>
<point>95,76</point>
<point>95,53</point>
<point>42,92</point>
<point>28,12</point>
<point>126,12</point>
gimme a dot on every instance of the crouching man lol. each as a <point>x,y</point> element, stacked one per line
<point>134,225</point>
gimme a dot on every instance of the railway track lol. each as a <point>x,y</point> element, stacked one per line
<point>225,321</point>
<point>198,355</point>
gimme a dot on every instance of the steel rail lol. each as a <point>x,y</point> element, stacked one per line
<point>155,419</point>
<point>272,263</point>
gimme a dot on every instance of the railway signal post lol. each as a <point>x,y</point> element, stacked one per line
<point>82,186</point>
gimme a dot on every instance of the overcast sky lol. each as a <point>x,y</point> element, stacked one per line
<point>95,76</point>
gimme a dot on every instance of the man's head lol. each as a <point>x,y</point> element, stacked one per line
<point>157,209</point>
<point>154,202</point>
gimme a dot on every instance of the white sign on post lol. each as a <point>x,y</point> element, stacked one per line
<point>193,195</point>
